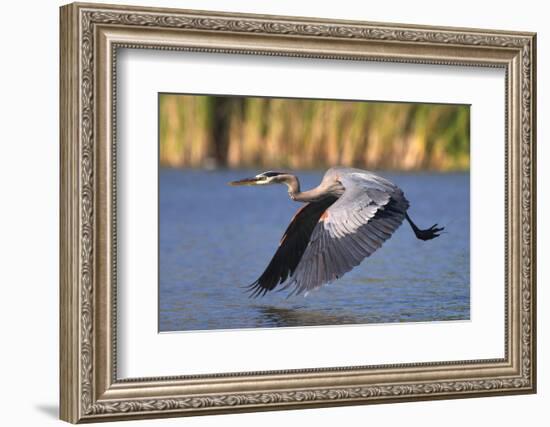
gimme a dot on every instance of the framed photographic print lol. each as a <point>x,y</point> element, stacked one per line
<point>265,212</point>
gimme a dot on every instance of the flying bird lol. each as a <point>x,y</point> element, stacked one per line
<point>345,219</point>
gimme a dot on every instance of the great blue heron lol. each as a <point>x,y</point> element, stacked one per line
<point>345,219</point>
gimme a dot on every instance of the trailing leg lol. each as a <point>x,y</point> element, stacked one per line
<point>427,234</point>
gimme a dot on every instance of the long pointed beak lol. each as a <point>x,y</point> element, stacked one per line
<point>245,181</point>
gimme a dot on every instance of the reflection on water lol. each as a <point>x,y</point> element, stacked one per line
<point>284,317</point>
<point>215,239</point>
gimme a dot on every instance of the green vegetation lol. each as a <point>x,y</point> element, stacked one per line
<point>198,131</point>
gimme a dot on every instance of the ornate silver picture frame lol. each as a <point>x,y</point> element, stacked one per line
<point>91,35</point>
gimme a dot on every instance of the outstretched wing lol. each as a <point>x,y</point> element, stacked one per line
<point>292,246</point>
<point>350,230</point>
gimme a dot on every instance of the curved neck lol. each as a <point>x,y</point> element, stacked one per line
<point>294,192</point>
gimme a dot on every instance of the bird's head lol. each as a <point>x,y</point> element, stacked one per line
<point>265,178</point>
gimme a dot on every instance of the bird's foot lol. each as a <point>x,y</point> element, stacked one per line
<point>429,233</point>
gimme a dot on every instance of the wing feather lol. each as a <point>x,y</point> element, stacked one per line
<point>355,226</point>
<point>291,247</point>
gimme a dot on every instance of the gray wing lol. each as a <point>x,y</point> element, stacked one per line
<point>291,248</point>
<point>350,230</point>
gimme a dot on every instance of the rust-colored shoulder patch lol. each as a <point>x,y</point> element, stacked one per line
<point>324,215</point>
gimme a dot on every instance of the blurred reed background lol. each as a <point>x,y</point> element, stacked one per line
<point>200,131</point>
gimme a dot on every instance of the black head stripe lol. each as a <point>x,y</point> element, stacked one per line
<point>271,174</point>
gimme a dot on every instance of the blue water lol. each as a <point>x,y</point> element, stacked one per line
<point>214,239</point>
